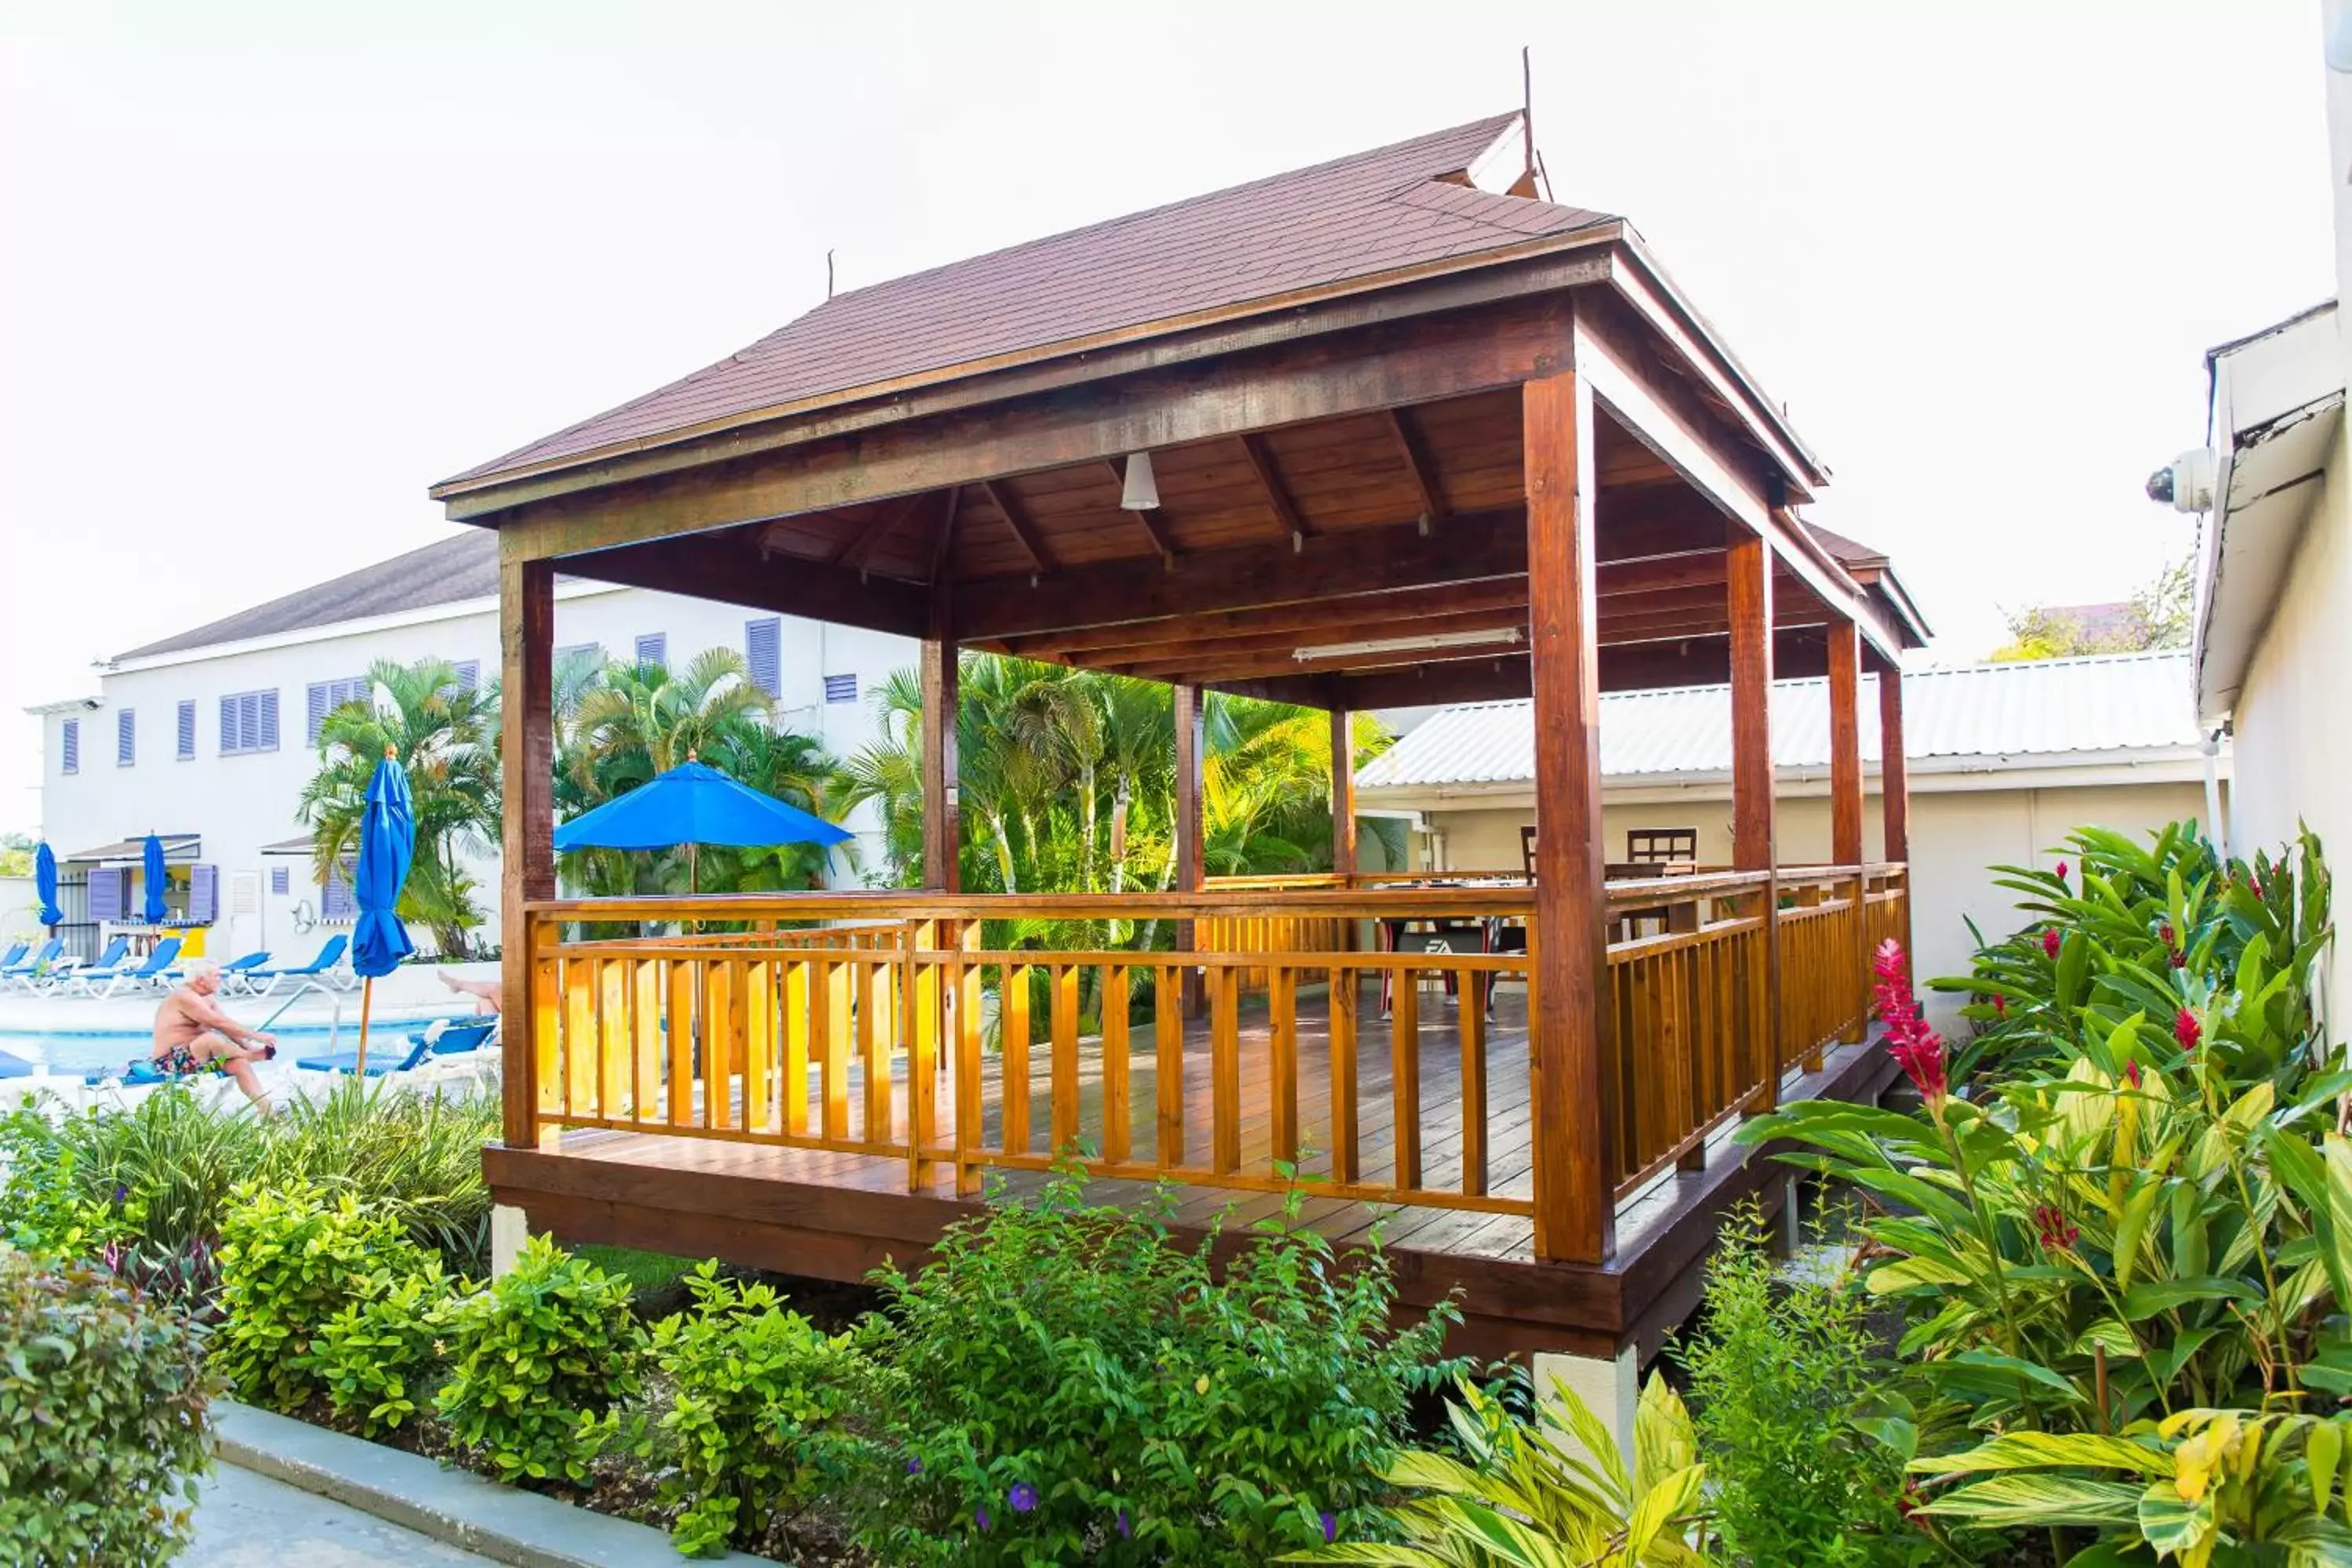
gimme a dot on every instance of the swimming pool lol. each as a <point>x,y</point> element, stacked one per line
<point>80,1050</point>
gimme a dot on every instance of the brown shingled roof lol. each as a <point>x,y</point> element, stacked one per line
<point>1357,216</point>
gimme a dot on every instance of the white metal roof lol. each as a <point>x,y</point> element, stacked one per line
<point>2117,702</point>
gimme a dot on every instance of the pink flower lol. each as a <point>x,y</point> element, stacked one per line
<point>2049,941</point>
<point>2062,871</point>
<point>2131,1074</point>
<point>2164,932</point>
<point>2187,1030</point>
<point>1917,1049</point>
<point>1999,1006</point>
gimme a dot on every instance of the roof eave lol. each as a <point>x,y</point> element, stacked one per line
<point>790,424</point>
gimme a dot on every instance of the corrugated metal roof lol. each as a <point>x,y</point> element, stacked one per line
<point>1356,216</point>
<point>2114,702</point>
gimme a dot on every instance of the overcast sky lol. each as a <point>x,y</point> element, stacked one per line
<point>268,271</point>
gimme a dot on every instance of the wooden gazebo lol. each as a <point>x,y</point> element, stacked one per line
<point>1418,436</point>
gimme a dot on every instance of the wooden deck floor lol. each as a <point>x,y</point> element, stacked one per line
<point>837,1216</point>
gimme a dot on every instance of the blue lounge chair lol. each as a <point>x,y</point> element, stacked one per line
<point>262,982</point>
<point>14,956</point>
<point>237,969</point>
<point>25,971</point>
<point>65,968</point>
<point>120,973</point>
<point>456,1036</point>
<point>381,1064</point>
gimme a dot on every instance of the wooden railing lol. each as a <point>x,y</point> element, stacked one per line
<point>884,1025</point>
<point>1691,1042</point>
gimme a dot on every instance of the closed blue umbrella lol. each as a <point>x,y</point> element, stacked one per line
<point>387,844</point>
<point>694,804</point>
<point>45,886</point>
<point>152,873</point>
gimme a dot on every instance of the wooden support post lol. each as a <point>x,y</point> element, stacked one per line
<point>943,830</point>
<point>1343,793</point>
<point>1894,786</point>
<point>1845,807</point>
<point>1191,737</point>
<point>527,644</point>
<point>1575,1210</point>
<point>1748,607</point>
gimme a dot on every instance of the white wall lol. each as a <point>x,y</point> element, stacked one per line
<point>1955,836</point>
<point>2292,744</point>
<point>240,803</point>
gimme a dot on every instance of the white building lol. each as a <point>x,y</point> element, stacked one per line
<point>207,738</point>
<point>2005,759</point>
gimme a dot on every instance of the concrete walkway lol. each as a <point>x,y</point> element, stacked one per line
<point>245,1520</point>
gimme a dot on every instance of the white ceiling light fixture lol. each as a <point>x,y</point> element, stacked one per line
<point>1141,492</point>
<point>1410,645</point>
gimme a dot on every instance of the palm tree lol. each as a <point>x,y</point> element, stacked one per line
<point>443,735</point>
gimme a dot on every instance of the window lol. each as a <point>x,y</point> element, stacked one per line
<point>841,689</point>
<point>281,881</point>
<point>653,648</point>
<point>589,653</point>
<point>469,674</point>
<point>69,747</point>
<point>126,737</point>
<point>763,651</point>
<point>110,893</point>
<point>248,722</point>
<point>326,696</point>
<point>335,900</point>
<point>204,894</point>
<point>187,731</point>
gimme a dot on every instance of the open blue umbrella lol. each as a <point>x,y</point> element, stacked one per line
<point>152,873</point>
<point>387,844</point>
<point>694,804</point>
<point>45,886</point>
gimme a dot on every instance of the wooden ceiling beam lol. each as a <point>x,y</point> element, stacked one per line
<point>1270,649</point>
<point>1016,517</point>
<point>1285,511</point>
<point>731,568</point>
<point>1415,453</point>
<point>1155,527</point>
<point>1363,609</point>
<point>1274,665</point>
<point>943,541</point>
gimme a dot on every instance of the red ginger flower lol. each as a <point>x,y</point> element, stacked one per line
<point>2062,871</point>
<point>2131,1073</point>
<point>2049,941</point>
<point>2187,1030</point>
<point>2051,1225</point>
<point>1999,1006</point>
<point>1917,1049</point>
<point>2256,884</point>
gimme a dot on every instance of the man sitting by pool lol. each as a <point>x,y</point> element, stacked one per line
<point>192,1035</point>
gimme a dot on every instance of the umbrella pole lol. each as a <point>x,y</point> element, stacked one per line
<point>367,995</point>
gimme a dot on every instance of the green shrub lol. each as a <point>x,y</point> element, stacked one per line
<point>538,1363</point>
<point>1787,1398</point>
<point>290,1262</point>
<point>760,1403</point>
<point>173,1159</point>
<point>416,1157</point>
<point>45,1206</point>
<point>1072,1384</point>
<point>102,1403</point>
<point>375,1353</point>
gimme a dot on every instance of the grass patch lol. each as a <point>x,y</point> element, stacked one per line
<point>646,1272</point>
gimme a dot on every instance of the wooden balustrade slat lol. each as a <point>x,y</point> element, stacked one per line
<point>831,1050</point>
<point>1224,1071</point>
<point>1012,1053</point>
<point>1168,1027</point>
<point>547,1034</point>
<point>685,979</point>
<point>1282,1061</point>
<point>1344,999</point>
<point>869,981</point>
<point>928,984</point>
<point>1065,979</point>
<point>1404,1076</point>
<point>580,1037</point>
<point>1117,1114</point>
<point>644,1018</point>
<point>1470,1024</point>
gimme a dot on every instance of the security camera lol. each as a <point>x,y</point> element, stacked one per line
<point>2186,482</point>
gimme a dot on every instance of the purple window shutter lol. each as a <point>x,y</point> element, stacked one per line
<point>187,735</point>
<point>266,740</point>
<point>203,884</point>
<point>106,893</point>
<point>281,882</point>
<point>763,651</point>
<point>317,709</point>
<point>69,746</point>
<point>335,899</point>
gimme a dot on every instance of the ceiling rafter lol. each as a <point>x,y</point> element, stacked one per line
<point>1415,453</point>
<point>1155,526</point>
<point>856,551</point>
<point>1285,510</point>
<point>1017,519</point>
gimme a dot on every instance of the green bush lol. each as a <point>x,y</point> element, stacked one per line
<point>1072,1384</point>
<point>45,1206</point>
<point>416,1157</point>
<point>1782,1376</point>
<point>102,1405</point>
<point>290,1262</point>
<point>537,1364</point>
<point>374,1355</point>
<point>761,1400</point>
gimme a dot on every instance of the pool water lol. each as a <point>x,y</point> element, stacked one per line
<point>69,1051</point>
